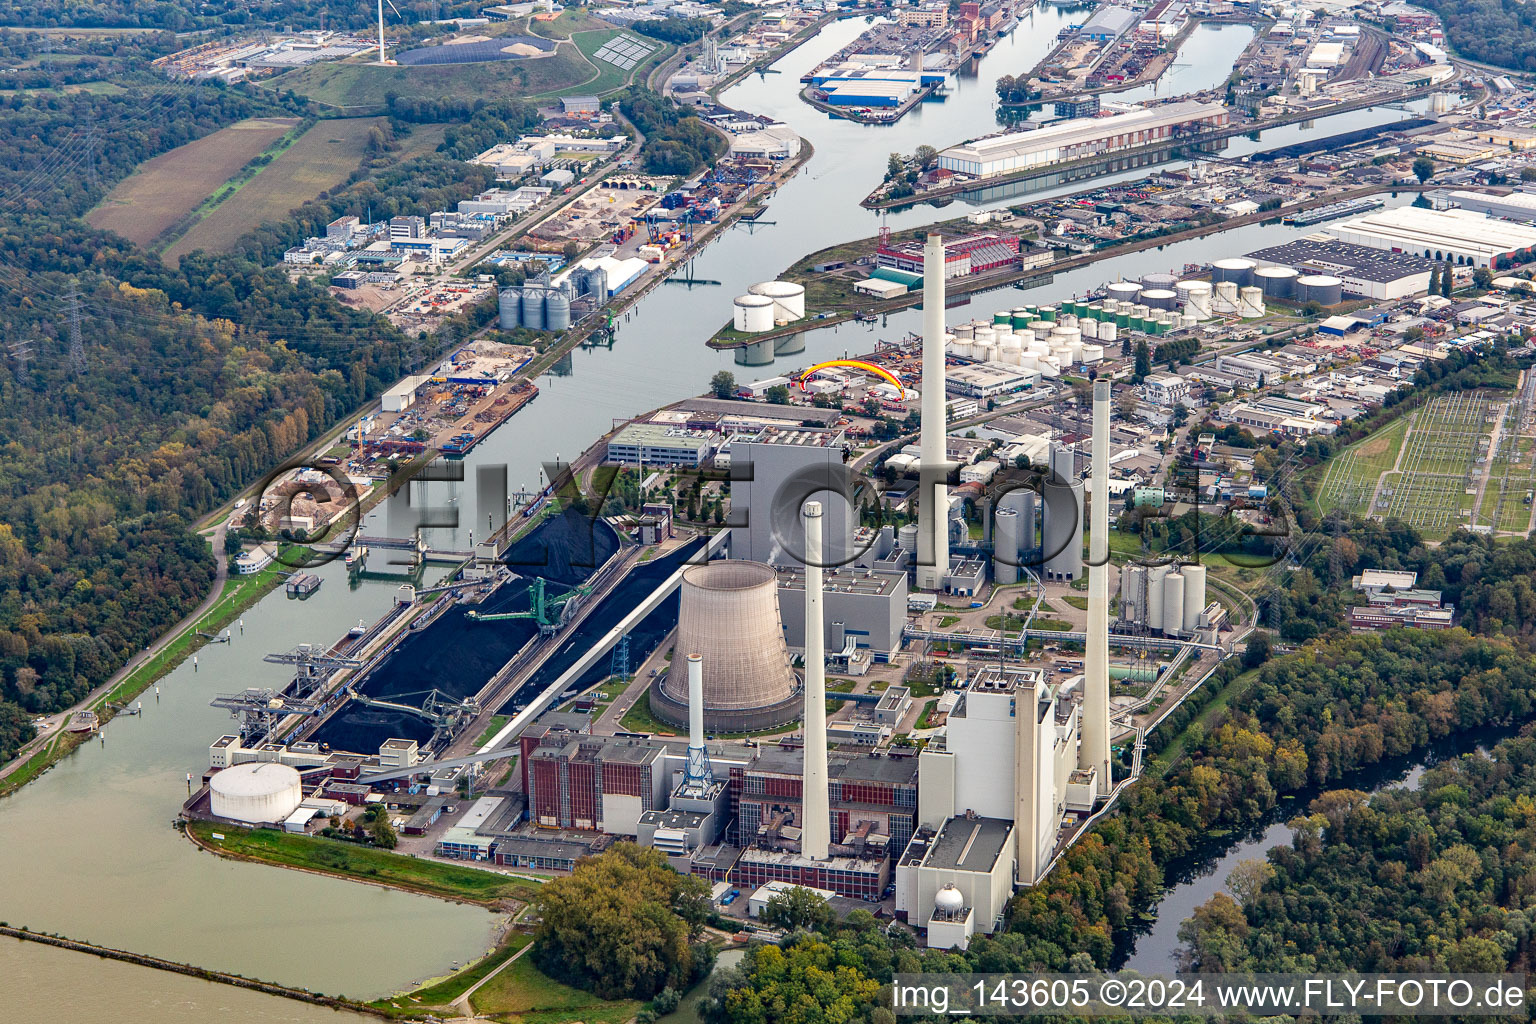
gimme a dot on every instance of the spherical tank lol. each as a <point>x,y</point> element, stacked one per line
<point>729,613</point>
<point>1237,269</point>
<point>948,902</point>
<point>557,311</point>
<point>259,791</point>
<point>533,308</point>
<point>1173,603</point>
<point>753,314</point>
<point>788,298</point>
<point>509,309</point>
<point>1194,596</point>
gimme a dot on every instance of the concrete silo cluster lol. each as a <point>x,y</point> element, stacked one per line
<point>1169,599</point>
<point>537,307</point>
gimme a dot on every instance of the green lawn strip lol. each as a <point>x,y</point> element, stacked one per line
<point>443,993</point>
<point>1080,603</point>
<point>497,721</point>
<point>1015,621</point>
<point>524,990</point>
<point>333,857</point>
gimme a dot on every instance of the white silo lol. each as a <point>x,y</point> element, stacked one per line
<point>1194,595</point>
<point>1109,332</point>
<point>1089,327</point>
<point>258,792</point>
<point>753,314</point>
<point>1173,603</point>
<point>1154,610</point>
<point>1092,354</point>
<point>1005,545</point>
<point>788,298</point>
<point>1133,593</point>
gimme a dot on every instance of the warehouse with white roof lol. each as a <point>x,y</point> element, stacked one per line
<point>1465,237</point>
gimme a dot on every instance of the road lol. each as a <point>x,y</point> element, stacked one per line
<point>56,722</point>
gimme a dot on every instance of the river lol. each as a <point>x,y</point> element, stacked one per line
<point>1202,875</point>
<point>88,851</point>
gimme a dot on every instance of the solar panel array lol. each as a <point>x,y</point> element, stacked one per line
<point>624,52</point>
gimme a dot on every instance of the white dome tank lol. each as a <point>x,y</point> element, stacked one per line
<point>1197,299</point>
<point>1089,326</point>
<point>1093,354</point>
<point>1250,301</point>
<point>948,902</point>
<point>983,352</point>
<point>753,314</point>
<point>256,792</point>
<point>1026,337</point>
<point>1029,362</point>
<point>1109,332</point>
<point>965,332</point>
<point>1123,291</point>
<point>788,298</point>
<point>1226,293</point>
<point>986,336</point>
<point>1010,343</point>
<point>1066,320</point>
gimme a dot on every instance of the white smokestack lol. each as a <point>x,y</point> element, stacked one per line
<point>696,702</point>
<point>815,831</point>
<point>1095,735</point>
<point>381,31</point>
<point>933,511</point>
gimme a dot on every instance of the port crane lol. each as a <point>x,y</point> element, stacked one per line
<point>440,710</point>
<point>312,666</point>
<point>261,708</point>
<point>549,612</point>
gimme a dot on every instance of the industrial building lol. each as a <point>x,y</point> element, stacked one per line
<point>595,784</point>
<point>1165,389</point>
<point>1168,599</point>
<point>1079,138</point>
<point>988,380</point>
<point>964,872</point>
<point>658,444</point>
<point>865,610</point>
<point>970,254</point>
<point>773,473</point>
<point>1464,237</point>
<point>1364,272</point>
<point>1519,205</point>
<point>729,614</point>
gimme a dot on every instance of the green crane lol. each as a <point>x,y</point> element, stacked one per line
<point>548,612</point>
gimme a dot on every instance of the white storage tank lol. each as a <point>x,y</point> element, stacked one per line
<point>1197,299</point>
<point>1173,603</point>
<point>533,308</point>
<point>1065,335</point>
<point>1123,291</point>
<point>1075,352</point>
<point>788,298</point>
<point>1194,595</point>
<point>1089,327</point>
<point>1250,301</point>
<point>256,792</point>
<point>1109,332</point>
<point>1005,545</point>
<point>1026,337</point>
<point>1155,576</point>
<point>1226,297</point>
<point>753,314</point>
<point>1141,309</point>
<point>983,352</point>
<point>1066,320</point>
<point>1093,354</point>
<point>985,336</point>
<point>1030,362</point>
<point>1160,298</point>
<point>557,310</point>
<point>965,332</point>
<point>509,309</point>
<point>1010,343</point>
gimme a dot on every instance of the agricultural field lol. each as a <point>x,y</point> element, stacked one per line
<point>151,200</point>
<point>321,159</point>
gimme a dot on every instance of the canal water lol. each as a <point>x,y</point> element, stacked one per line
<point>88,849</point>
<point>1194,880</point>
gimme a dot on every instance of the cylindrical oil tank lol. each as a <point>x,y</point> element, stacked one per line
<point>1123,291</point>
<point>1277,282</point>
<point>983,352</point>
<point>753,313</point>
<point>985,336</point>
<point>1133,593</point>
<point>1005,546</point>
<point>1041,327</point>
<point>729,613</point>
<point>1067,320</point>
<point>1065,335</point>
<point>1062,542</point>
<point>1173,603</point>
<point>1237,269</point>
<point>965,332</point>
<point>1160,298</point>
<point>1109,332</point>
<point>1095,311</point>
<point>533,308</point>
<point>1026,337</point>
<point>1226,297</point>
<point>509,309</point>
<point>907,538</point>
<point>1141,309</point>
<point>1048,313</point>
<point>1123,318</point>
<point>1250,301</point>
<point>1010,342</point>
<point>1194,595</point>
<point>1158,282</point>
<point>1029,362</point>
<point>1321,288</point>
<point>1003,319</point>
<point>1197,299</point>
<point>1154,611</point>
<point>1111,307</point>
<point>1074,352</point>
<point>788,298</point>
<point>557,310</point>
<point>1092,354</point>
<point>1090,328</point>
<point>255,792</point>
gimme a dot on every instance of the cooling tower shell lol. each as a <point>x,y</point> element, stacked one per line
<point>752,314</point>
<point>729,613</point>
<point>509,309</point>
<point>256,792</point>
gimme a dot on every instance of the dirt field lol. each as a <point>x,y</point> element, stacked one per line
<point>164,189</point>
<point>321,159</point>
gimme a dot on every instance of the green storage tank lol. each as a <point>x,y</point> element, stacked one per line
<point>1048,313</point>
<point>1002,319</point>
<point>1123,320</point>
<point>1021,321</point>
<point>1133,673</point>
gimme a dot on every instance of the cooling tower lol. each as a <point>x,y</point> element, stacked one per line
<point>729,614</point>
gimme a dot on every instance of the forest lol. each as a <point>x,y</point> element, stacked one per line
<point>185,15</point>
<point>676,142</point>
<point>1434,878</point>
<point>1501,32</point>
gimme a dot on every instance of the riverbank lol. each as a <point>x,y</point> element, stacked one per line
<point>800,272</point>
<point>479,887</point>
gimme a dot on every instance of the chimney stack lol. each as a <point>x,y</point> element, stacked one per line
<point>698,776</point>
<point>816,829</point>
<point>933,499</point>
<point>1095,728</point>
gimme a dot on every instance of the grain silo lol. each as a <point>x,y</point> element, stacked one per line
<point>557,310</point>
<point>533,308</point>
<point>509,309</point>
<point>729,614</point>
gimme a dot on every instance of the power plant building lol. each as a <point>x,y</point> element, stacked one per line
<point>1079,138</point>
<point>864,610</point>
<point>773,473</point>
